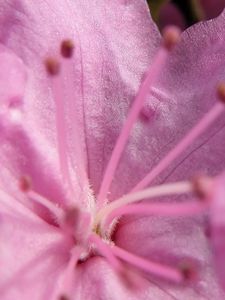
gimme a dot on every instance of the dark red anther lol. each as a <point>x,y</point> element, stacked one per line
<point>25,183</point>
<point>221,92</point>
<point>171,36</point>
<point>52,66</point>
<point>71,217</point>
<point>63,297</point>
<point>201,186</point>
<point>188,271</point>
<point>67,48</point>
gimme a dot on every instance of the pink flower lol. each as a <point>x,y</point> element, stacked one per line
<point>63,135</point>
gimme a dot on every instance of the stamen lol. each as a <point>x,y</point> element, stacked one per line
<point>25,186</point>
<point>65,291</point>
<point>151,77</point>
<point>25,183</point>
<point>160,190</point>
<point>171,36</point>
<point>52,66</point>
<point>202,186</point>
<point>131,280</point>
<point>157,269</point>
<point>69,73</point>
<point>159,209</point>
<point>188,271</point>
<point>106,252</point>
<point>63,297</point>
<point>191,136</point>
<point>221,91</point>
<point>57,212</point>
<point>57,90</point>
<point>67,48</point>
<point>71,217</point>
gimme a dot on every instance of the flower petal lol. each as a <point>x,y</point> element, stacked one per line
<point>12,78</point>
<point>30,251</point>
<point>172,242</point>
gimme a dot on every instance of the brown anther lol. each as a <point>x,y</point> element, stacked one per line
<point>63,297</point>
<point>132,280</point>
<point>171,36</point>
<point>202,186</point>
<point>67,48</point>
<point>188,271</point>
<point>221,91</point>
<point>52,66</point>
<point>71,216</point>
<point>25,183</point>
<point>208,231</point>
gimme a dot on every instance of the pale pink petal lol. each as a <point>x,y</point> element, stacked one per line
<point>31,251</point>
<point>12,77</point>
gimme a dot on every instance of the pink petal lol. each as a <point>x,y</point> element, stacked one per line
<point>30,251</point>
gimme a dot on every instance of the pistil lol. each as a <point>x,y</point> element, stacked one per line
<point>25,185</point>
<point>161,190</point>
<point>53,69</point>
<point>65,292</point>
